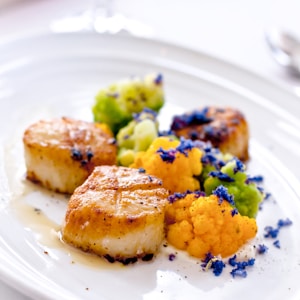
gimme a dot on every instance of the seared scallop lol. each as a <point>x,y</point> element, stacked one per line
<point>61,153</point>
<point>226,129</point>
<point>118,213</point>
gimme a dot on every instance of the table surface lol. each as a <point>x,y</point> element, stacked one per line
<point>233,31</point>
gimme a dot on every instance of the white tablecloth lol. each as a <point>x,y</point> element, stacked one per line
<point>232,30</point>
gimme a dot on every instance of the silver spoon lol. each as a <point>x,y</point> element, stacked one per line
<point>285,49</point>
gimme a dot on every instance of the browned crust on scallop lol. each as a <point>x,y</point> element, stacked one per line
<point>113,202</point>
<point>228,130</point>
<point>66,147</point>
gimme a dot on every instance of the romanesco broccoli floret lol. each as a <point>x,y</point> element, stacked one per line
<point>212,159</point>
<point>136,136</point>
<point>115,104</point>
<point>232,175</point>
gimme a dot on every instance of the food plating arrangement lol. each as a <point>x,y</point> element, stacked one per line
<point>135,188</point>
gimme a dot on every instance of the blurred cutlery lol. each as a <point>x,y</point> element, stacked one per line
<point>285,49</point>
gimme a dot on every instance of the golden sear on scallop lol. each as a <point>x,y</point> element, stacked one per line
<point>61,153</point>
<point>226,128</point>
<point>117,213</point>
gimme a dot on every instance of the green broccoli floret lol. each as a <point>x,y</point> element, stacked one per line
<point>247,195</point>
<point>136,136</point>
<point>212,159</point>
<point>115,104</point>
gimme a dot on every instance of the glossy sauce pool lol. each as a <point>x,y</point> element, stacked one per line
<point>48,231</point>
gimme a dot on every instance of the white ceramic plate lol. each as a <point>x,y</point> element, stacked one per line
<point>55,75</point>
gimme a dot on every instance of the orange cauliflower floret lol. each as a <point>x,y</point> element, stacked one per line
<point>175,162</point>
<point>202,225</point>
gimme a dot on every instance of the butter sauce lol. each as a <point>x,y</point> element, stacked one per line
<point>37,217</point>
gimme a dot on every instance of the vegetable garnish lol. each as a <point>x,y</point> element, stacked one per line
<point>185,146</point>
<point>212,157</point>
<point>221,176</point>
<point>142,170</point>
<point>232,175</point>
<point>257,179</point>
<point>222,193</point>
<point>115,104</point>
<point>169,155</point>
<point>217,265</point>
<point>172,256</point>
<point>76,154</point>
<point>196,117</point>
<point>239,166</point>
<point>145,114</point>
<point>201,224</point>
<point>176,196</point>
<point>176,162</point>
<point>271,232</point>
<point>136,136</point>
<point>159,79</point>
<point>212,262</point>
<point>277,244</point>
<point>261,248</point>
<point>240,266</point>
